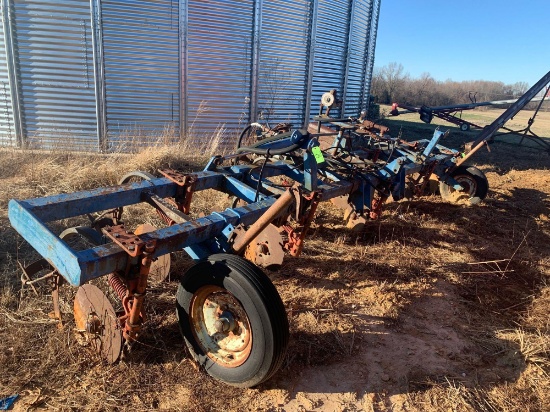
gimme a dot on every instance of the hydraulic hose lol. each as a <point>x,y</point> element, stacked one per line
<point>273,152</point>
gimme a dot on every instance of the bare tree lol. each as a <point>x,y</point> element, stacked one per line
<point>391,84</point>
<point>393,78</point>
<point>378,85</point>
<point>519,88</point>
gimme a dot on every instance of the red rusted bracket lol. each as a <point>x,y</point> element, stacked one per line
<point>57,280</point>
<point>299,196</point>
<point>239,243</point>
<point>128,241</point>
<point>132,294</point>
<point>186,187</point>
<point>376,209</point>
<point>414,145</point>
<point>132,326</point>
<point>296,239</point>
<point>293,244</point>
<point>368,127</point>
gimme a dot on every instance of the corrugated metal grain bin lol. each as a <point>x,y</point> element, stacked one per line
<point>114,75</point>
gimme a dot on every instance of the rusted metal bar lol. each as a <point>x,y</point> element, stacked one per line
<point>256,228</point>
<point>132,327</point>
<point>127,240</point>
<point>57,280</point>
<point>164,207</point>
<point>296,242</point>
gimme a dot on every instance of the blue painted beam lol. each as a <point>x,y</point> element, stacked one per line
<point>63,206</point>
<point>51,247</point>
<point>433,142</point>
<point>79,267</point>
<point>334,189</point>
<point>240,189</point>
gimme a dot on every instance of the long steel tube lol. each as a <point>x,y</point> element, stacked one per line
<point>257,227</point>
<point>490,130</point>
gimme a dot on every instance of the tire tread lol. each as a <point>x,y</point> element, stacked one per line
<point>268,296</point>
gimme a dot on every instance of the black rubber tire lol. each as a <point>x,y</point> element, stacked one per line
<point>477,189</point>
<point>264,309</point>
<point>85,233</point>
<point>464,127</point>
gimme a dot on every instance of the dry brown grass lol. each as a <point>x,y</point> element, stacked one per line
<point>405,316</point>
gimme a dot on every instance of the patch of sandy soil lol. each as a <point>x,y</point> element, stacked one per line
<point>389,357</point>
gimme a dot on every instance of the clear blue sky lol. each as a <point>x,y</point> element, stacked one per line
<point>500,40</point>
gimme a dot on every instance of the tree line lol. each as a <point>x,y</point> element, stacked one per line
<point>391,84</point>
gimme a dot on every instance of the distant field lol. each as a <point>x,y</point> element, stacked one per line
<point>541,127</point>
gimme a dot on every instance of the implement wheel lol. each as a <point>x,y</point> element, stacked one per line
<point>233,320</point>
<point>249,135</point>
<point>95,317</point>
<point>473,181</point>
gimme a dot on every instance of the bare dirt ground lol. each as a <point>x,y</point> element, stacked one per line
<point>435,307</point>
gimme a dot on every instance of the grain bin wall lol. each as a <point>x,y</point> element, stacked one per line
<point>112,75</point>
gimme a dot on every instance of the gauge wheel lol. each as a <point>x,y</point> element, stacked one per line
<point>233,320</point>
<point>135,176</point>
<point>249,136</point>
<point>464,127</point>
<point>474,182</point>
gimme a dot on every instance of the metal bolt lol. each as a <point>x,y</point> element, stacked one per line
<point>222,325</point>
<point>93,325</point>
<point>150,247</point>
<point>225,322</point>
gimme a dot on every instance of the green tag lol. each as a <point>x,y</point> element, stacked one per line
<point>319,158</point>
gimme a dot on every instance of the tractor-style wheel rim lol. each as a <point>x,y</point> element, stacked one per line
<point>220,326</point>
<point>468,183</point>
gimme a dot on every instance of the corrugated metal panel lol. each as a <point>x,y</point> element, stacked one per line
<point>371,49</point>
<point>283,57</point>
<point>219,59</point>
<point>130,60</point>
<point>357,60</point>
<point>54,43</point>
<point>331,40</point>
<point>7,123</point>
<point>141,71</point>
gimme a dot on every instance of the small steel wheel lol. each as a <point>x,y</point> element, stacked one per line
<point>96,318</point>
<point>233,320</point>
<point>473,181</point>
<point>135,176</point>
<point>464,127</point>
<point>94,304</point>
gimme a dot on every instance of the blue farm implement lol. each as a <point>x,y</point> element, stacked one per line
<point>231,316</point>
